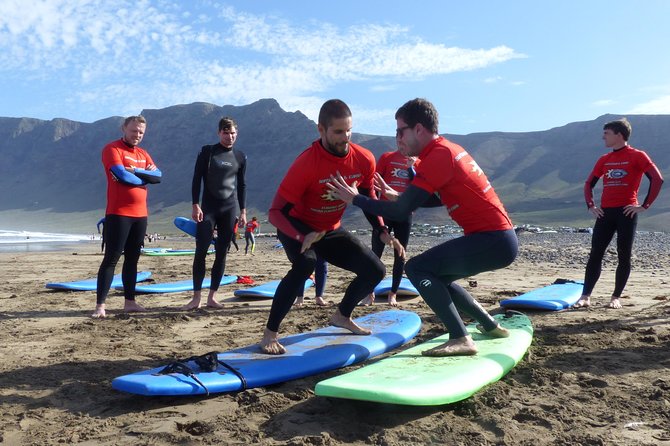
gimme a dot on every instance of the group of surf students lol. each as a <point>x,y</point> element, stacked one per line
<point>427,170</point>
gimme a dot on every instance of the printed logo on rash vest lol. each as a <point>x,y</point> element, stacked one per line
<point>400,173</point>
<point>616,174</point>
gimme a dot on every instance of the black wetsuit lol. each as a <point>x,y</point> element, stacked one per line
<point>222,172</point>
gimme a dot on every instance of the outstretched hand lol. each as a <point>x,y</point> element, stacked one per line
<point>387,191</point>
<point>341,189</point>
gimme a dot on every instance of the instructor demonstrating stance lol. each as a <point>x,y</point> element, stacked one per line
<point>621,171</point>
<point>220,169</point>
<point>129,169</point>
<point>308,217</point>
<point>489,241</point>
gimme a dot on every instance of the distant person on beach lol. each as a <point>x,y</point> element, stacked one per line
<point>621,171</point>
<point>320,276</point>
<point>252,228</point>
<point>233,238</point>
<point>393,172</point>
<point>101,224</point>
<point>308,221</point>
<point>489,241</point>
<point>221,170</point>
<point>129,169</point>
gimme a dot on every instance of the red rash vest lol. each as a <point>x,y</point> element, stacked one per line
<point>446,168</point>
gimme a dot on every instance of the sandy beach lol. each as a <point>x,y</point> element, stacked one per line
<point>591,377</point>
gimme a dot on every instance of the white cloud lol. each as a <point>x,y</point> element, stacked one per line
<point>658,106</point>
<point>156,53</point>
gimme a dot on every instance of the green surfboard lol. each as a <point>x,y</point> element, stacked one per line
<point>412,379</point>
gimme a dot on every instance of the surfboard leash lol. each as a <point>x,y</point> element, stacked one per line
<point>181,367</point>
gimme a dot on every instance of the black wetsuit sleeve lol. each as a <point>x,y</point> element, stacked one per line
<point>373,219</point>
<point>655,183</point>
<point>241,180</point>
<point>413,198</point>
<point>198,174</point>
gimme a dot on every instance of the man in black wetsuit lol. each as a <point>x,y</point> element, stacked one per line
<point>221,170</point>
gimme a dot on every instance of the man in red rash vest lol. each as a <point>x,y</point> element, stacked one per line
<point>489,241</point>
<point>307,216</point>
<point>393,174</point>
<point>621,171</point>
<point>129,169</point>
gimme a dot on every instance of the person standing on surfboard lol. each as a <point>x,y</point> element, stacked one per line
<point>489,241</point>
<point>221,170</point>
<point>393,171</point>
<point>622,171</point>
<point>129,169</point>
<point>308,221</point>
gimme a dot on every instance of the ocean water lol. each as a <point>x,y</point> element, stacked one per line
<point>39,241</point>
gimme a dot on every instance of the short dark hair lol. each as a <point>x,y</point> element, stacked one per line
<point>333,109</point>
<point>419,111</point>
<point>227,123</point>
<point>621,126</point>
<point>138,118</point>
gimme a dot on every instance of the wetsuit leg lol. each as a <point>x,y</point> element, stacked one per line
<point>116,232</point>
<point>292,285</point>
<point>338,248</point>
<point>625,236</point>
<point>320,275</point>
<point>433,273</point>
<point>131,255</point>
<point>603,232</point>
<point>401,232</point>
<point>203,238</point>
<point>342,249</point>
<point>247,239</point>
<point>224,226</point>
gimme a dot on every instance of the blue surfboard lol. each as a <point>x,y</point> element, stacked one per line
<point>405,289</point>
<point>146,250</point>
<point>307,354</point>
<point>188,226</point>
<point>267,290</point>
<point>175,287</point>
<point>555,297</point>
<point>92,284</point>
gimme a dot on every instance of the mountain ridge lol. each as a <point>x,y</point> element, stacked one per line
<point>54,167</point>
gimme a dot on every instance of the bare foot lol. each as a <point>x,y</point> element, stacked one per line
<point>130,306</point>
<point>368,300</point>
<point>321,302</point>
<point>391,300</point>
<point>99,312</point>
<point>614,303</point>
<point>583,302</point>
<point>498,332</point>
<point>270,343</point>
<point>339,320</point>
<point>213,303</point>
<point>454,347</point>
<point>299,301</point>
<point>194,304</point>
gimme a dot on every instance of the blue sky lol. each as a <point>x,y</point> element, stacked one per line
<point>487,65</point>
